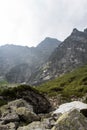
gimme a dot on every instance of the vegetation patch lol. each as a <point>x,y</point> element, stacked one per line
<point>68,85</point>
<point>11,93</point>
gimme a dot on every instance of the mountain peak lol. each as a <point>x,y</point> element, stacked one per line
<point>50,38</point>
<point>75,30</point>
<point>49,41</point>
<point>47,38</point>
<point>85,30</point>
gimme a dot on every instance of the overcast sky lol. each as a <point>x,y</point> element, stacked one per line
<point>28,22</point>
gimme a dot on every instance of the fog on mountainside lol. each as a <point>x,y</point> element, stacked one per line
<point>50,59</point>
<point>17,63</point>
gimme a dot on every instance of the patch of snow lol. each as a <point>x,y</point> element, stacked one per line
<point>76,61</point>
<point>47,77</point>
<point>44,71</point>
<point>81,49</point>
<point>69,48</point>
<point>70,106</point>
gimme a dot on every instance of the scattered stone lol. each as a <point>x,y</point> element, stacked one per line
<point>69,116</point>
<point>17,112</point>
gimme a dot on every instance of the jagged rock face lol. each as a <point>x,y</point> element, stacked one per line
<point>68,55</point>
<point>71,53</point>
<point>15,58</point>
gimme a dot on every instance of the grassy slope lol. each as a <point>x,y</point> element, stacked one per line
<point>71,84</point>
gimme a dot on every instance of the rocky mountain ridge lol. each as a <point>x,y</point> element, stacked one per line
<point>47,61</point>
<point>70,54</point>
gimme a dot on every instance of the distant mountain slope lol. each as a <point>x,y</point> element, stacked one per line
<point>16,61</point>
<point>20,73</point>
<point>68,55</point>
<point>47,46</point>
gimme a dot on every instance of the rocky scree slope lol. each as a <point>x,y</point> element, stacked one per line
<point>70,54</point>
<point>19,115</point>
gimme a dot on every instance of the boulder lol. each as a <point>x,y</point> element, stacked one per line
<point>45,124</point>
<point>20,103</point>
<point>35,126</point>
<point>17,112</point>
<point>4,127</point>
<point>72,120</point>
<point>13,105</point>
<point>10,117</point>
<point>26,115</point>
<point>70,106</point>
<point>10,126</point>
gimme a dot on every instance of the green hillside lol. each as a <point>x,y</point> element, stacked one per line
<point>71,84</point>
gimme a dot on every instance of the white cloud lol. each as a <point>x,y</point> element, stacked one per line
<point>27,22</point>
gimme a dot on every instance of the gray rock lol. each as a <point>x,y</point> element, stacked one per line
<point>20,103</point>
<point>26,115</point>
<point>72,120</point>
<point>10,126</point>
<point>17,111</point>
<point>4,127</point>
<point>34,126</point>
<point>10,117</point>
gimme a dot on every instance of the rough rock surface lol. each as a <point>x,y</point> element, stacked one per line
<point>16,112</point>
<point>19,115</point>
<point>20,103</point>
<point>34,126</point>
<point>72,120</point>
<point>26,115</point>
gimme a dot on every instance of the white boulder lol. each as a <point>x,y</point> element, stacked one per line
<point>70,106</point>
